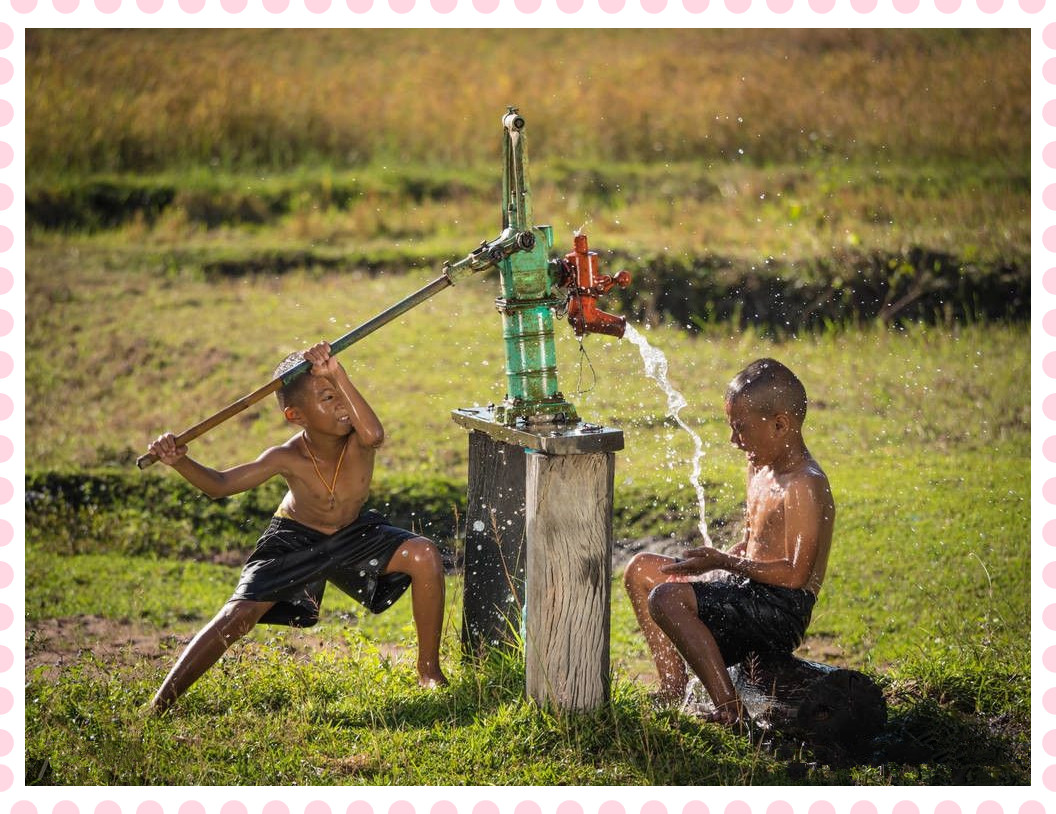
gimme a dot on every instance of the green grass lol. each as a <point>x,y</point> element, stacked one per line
<point>348,710</point>
<point>924,432</point>
<point>198,345</point>
<point>388,217</point>
<point>353,715</point>
<point>225,234</point>
<point>350,719</point>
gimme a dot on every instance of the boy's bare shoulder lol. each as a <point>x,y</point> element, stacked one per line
<point>812,481</point>
<point>812,469</point>
<point>283,456</point>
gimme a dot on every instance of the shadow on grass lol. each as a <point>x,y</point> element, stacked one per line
<point>940,745</point>
<point>625,742</point>
<point>923,743</point>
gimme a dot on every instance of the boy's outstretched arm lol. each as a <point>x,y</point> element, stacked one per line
<point>369,431</point>
<point>804,515</point>
<point>217,483</point>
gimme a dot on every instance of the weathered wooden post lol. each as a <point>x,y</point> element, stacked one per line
<point>539,548</point>
<point>569,521</point>
<point>539,520</point>
<point>495,560</point>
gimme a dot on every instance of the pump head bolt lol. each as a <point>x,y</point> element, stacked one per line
<point>512,120</point>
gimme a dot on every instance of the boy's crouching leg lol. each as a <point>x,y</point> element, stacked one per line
<point>420,559</point>
<point>640,577</point>
<point>673,606</point>
<point>233,622</point>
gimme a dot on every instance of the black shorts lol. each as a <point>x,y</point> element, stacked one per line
<point>748,617</point>
<point>292,563</point>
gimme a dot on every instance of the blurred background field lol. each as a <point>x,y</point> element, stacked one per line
<point>855,204</point>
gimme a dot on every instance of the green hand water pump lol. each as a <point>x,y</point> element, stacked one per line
<point>534,288</point>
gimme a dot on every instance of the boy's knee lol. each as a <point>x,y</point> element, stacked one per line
<point>236,619</point>
<point>424,556</point>
<point>658,601</point>
<point>667,599</point>
<point>642,571</point>
<point>632,571</point>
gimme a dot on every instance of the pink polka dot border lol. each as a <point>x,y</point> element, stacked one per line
<point>12,441</point>
<point>1043,593</point>
<point>17,15</point>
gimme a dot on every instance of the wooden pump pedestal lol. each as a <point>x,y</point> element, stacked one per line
<point>539,552</point>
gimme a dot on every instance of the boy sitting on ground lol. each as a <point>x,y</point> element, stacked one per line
<point>319,531</point>
<point>762,604</point>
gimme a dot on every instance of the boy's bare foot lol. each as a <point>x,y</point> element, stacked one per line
<point>731,716</point>
<point>432,681</point>
<point>156,708</point>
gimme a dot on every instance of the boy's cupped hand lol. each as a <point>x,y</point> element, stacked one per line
<point>697,561</point>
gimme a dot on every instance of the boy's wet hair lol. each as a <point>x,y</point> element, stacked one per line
<point>290,394</point>
<point>770,388</point>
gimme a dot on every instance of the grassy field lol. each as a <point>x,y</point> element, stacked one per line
<point>924,432</point>
<point>781,144</point>
<point>233,196</point>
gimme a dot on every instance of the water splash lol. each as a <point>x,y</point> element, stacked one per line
<point>656,368</point>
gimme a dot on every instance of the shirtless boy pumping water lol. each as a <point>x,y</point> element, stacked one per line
<point>319,532</point>
<point>762,595</point>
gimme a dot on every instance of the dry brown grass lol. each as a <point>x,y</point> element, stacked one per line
<point>134,100</point>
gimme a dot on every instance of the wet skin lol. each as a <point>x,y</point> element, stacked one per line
<point>789,520</point>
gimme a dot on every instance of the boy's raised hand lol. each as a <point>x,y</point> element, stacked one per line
<point>323,364</point>
<point>167,450</point>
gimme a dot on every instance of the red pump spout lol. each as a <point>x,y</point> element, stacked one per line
<point>585,284</point>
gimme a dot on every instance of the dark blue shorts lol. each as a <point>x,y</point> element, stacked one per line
<point>292,564</point>
<point>748,617</point>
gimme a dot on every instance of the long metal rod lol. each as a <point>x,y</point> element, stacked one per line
<point>338,345</point>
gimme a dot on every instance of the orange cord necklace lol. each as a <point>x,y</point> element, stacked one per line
<point>331,487</point>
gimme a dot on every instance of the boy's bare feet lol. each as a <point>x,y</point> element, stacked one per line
<point>732,716</point>
<point>432,681</point>
<point>155,708</point>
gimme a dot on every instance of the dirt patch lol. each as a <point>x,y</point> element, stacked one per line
<point>825,649</point>
<point>57,643</point>
<point>91,641</point>
<point>231,558</point>
<point>355,765</point>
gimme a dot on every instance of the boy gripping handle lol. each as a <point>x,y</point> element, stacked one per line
<point>763,601</point>
<point>319,532</point>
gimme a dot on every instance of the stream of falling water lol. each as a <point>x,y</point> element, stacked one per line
<point>656,369</point>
